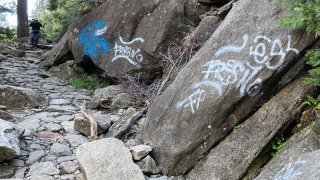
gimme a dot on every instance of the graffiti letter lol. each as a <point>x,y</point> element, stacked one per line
<point>233,48</point>
<point>193,100</point>
<point>276,43</point>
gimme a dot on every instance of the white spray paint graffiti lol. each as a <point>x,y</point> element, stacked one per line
<point>101,31</point>
<point>219,74</point>
<point>193,100</point>
<point>124,51</point>
<point>290,171</point>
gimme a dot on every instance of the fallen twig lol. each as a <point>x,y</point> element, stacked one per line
<point>132,120</point>
<point>93,123</point>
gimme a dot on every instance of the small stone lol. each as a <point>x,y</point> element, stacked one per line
<point>58,108</point>
<point>50,158</point>
<point>53,127</point>
<point>65,158</point>
<point>68,126</point>
<point>20,173</point>
<point>140,151</point>
<point>49,119</point>
<point>40,177</point>
<point>60,150</point>
<point>59,102</point>
<point>35,147</point>
<point>65,118</point>
<point>35,156</point>
<point>44,168</point>
<point>24,153</point>
<point>68,167</point>
<point>160,178</point>
<point>148,166</point>
<point>76,140</point>
<point>83,126</point>
<point>6,172</point>
<point>68,177</point>
<point>48,135</point>
<point>29,125</point>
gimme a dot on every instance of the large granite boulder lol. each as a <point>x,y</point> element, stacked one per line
<point>19,98</point>
<point>222,84</point>
<point>59,54</point>
<point>107,159</point>
<point>9,142</point>
<point>234,155</point>
<point>124,36</point>
<point>299,159</point>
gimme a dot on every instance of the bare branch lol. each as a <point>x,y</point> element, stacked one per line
<point>93,123</point>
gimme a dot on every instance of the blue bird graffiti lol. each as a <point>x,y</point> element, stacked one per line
<point>93,45</point>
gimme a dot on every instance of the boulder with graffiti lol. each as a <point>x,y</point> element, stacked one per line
<point>222,85</point>
<point>125,36</point>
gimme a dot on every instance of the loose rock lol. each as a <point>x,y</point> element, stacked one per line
<point>44,168</point>
<point>19,98</point>
<point>68,167</point>
<point>9,142</point>
<point>60,150</point>
<point>140,151</point>
<point>148,166</point>
<point>98,158</point>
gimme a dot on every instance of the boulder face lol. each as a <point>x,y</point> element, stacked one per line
<point>299,159</point>
<point>234,155</point>
<point>227,76</point>
<point>127,35</point>
<point>19,98</point>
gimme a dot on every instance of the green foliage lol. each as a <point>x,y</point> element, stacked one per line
<point>313,59</point>
<point>312,106</point>
<point>237,126</point>
<point>7,34</point>
<point>82,80</point>
<point>57,14</point>
<point>53,5</point>
<point>311,101</point>
<point>305,15</point>
<point>277,145</point>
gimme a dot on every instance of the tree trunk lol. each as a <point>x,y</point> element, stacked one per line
<point>22,14</point>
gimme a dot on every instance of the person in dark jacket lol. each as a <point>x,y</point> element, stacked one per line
<point>35,33</point>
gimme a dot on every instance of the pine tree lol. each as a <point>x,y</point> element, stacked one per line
<point>22,14</point>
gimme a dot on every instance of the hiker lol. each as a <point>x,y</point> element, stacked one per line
<point>35,33</point>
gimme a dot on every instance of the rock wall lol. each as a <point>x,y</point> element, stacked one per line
<point>239,64</point>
